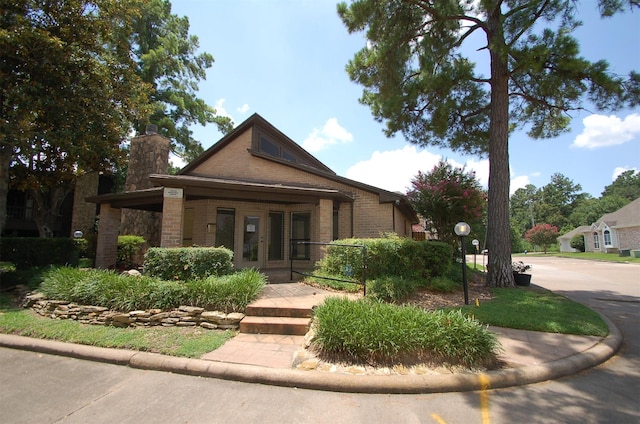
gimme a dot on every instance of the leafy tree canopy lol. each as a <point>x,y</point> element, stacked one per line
<point>168,60</point>
<point>627,185</point>
<point>418,81</point>
<point>68,90</point>
<point>542,235</point>
<point>445,196</point>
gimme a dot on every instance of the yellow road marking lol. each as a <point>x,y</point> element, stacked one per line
<point>484,399</point>
<point>438,419</point>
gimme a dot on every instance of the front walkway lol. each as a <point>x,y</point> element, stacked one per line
<point>272,350</point>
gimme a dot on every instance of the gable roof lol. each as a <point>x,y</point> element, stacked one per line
<point>626,216</point>
<point>258,121</point>
<point>308,162</point>
<point>580,230</point>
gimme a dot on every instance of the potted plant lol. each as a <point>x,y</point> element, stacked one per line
<point>519,268</point>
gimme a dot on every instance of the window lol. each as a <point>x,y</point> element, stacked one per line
<point>607,238</point>
<point>288,156</point>
<point>225,225</point>
<point>336,233</point>
<point>596,241</point>
<point>300,231</point>
<point>269,148</point>
<point>276,236</point>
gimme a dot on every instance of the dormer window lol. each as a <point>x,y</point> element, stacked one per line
<point>271,148</point>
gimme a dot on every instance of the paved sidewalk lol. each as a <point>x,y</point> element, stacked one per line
<point>529,357</point>
<point>520,347</point>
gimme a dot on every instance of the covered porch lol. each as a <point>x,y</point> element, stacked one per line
<point>257,220</point>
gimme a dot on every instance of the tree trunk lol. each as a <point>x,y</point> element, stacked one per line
<point>48,205</point>
<point>499,271</point>
<point>5,161</point>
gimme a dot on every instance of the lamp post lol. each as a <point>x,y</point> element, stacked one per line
<point>462,230</point>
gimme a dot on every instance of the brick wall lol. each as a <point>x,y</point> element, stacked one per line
<point>172,215</point>
<point>107,245</point>
<point>370,218</point>
<point>629,238</point>
<point>84,213</point>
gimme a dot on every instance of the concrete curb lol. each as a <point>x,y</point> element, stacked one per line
<point>439,383</point>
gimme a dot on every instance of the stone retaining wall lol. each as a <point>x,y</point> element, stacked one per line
<point>184,316</point>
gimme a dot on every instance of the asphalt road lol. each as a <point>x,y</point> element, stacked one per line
<point>38,388</point>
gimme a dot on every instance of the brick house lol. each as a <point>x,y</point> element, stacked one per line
<point>613,232</point>
<point>256,192</point>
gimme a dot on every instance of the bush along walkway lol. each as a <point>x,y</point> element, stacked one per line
<point>183,316</point>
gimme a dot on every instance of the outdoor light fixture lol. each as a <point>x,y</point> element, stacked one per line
<point>462,230</point>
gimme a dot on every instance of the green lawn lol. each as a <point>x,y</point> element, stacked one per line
<point>175,341</point>
<point>593,256</point>
<point>536,309</point>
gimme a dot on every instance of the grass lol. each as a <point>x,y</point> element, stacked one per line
<point>175,341</point>
<point>536,309</point>
<point>380,333</point>
<point>593,256</point>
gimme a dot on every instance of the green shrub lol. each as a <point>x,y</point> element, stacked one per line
<point>387,256</point>
<point>29,252</point>
<point>59,283</point>
<point>577,242</point>
<point>228,293</point>
<point>188,263</point>
<point>391,289</point>
<point>111,290</point>
<point>444,284</point>
<point>374,332</point>
<point>128,247</point>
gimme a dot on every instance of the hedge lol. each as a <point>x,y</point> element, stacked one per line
<point>31,252</point>
<point>187,263</point>
<point>388,256</point>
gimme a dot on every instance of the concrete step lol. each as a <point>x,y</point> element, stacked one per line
<point>275,325</point>
<point>278,311</point>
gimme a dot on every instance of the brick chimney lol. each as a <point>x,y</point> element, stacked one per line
<point>148,154</point>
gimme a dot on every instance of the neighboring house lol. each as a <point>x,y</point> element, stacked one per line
<point>565,239</point>
<point>615,231</point>
<point>258,193</point>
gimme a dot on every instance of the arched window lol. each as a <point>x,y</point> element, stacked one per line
<point>607,238</point>
<point>596,241</point>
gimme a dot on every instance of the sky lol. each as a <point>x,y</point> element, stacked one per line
<point>286,59</point>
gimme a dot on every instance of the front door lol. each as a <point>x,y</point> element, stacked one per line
<point>252,241</point>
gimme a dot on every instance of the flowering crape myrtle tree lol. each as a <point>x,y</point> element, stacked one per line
<point>542,235</point>
<point>445,196</point>
<point>419,80</point>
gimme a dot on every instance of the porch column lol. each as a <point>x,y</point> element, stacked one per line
<point>107,243</point>
<point>172,215</point>
<point>325,220</point>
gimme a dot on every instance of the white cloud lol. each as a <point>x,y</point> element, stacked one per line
<point>393,170</point>
<point>220,110</point>
<point>243,109</point>
<point>603,131</point>
<point>331,133</point>
<point>518,182</point>
<point>619,170</point>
